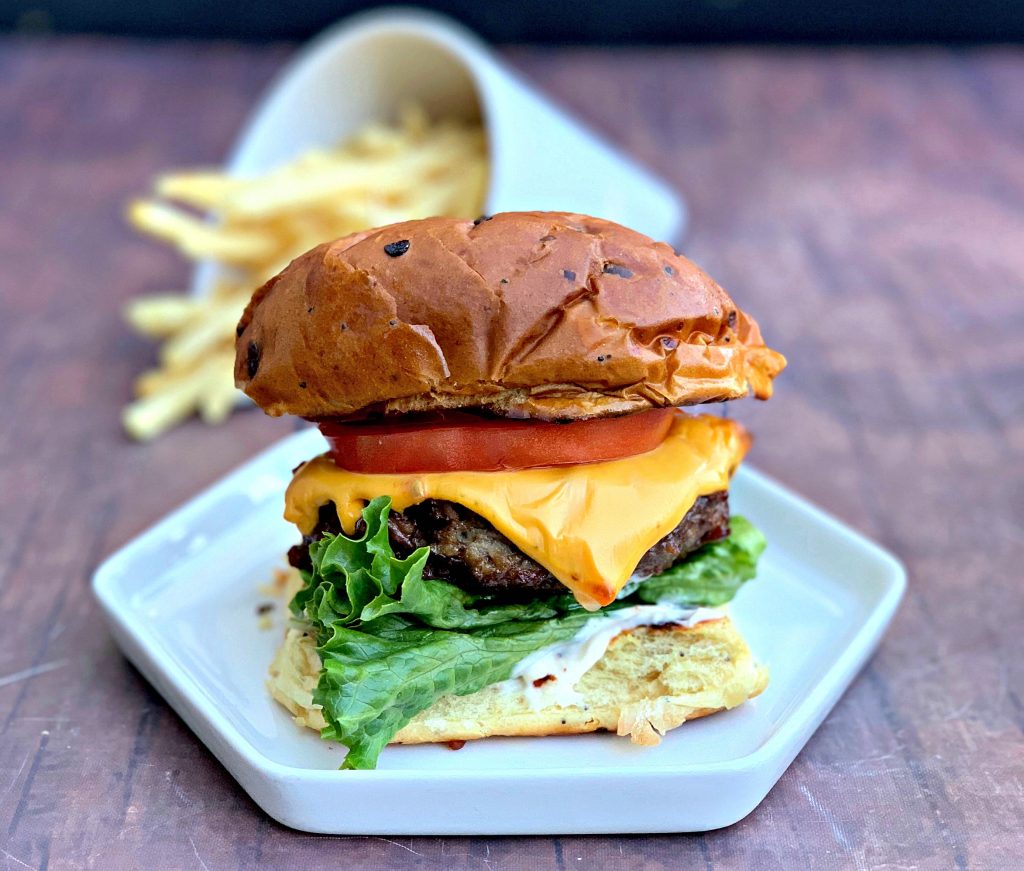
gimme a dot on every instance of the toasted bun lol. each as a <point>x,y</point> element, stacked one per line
<point>650,680</point>
<point>538,314</point>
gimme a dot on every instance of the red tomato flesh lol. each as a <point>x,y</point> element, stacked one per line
<point>455,442</point>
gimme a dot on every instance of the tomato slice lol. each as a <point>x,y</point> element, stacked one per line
<point>454,442</point>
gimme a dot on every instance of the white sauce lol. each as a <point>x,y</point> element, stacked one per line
<point>567,661</point>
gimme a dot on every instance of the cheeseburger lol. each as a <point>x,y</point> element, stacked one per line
<point>516,529</point>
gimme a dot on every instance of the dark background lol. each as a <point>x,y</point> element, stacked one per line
<point>601,21</point>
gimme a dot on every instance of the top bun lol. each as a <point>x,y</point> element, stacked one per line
<point>527,314</point>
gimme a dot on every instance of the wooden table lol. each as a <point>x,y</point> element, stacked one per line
<point>868,206</point>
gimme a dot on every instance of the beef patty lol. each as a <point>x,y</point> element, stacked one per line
<point>466,550</point>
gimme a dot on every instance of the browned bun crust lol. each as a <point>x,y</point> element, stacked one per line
<point>534,314</point>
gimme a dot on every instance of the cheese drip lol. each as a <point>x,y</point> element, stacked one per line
<point>588,525</point>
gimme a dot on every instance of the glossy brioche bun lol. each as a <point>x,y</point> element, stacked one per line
<point>531,314</point>
<point>650,680</point>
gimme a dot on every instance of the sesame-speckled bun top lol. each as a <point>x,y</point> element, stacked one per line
<point>525,314</point>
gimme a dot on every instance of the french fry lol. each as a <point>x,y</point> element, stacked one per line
<point>161,315</point>
<point>219,393</point>
<point>147,418</point>
<point>203,190</point>
<point>203,335</point>
<point>197,238</point>
<point>155,381</point>
<point>253,227</point>
<point>208,388</point>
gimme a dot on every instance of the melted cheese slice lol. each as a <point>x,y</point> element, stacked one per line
<point>588,525</point>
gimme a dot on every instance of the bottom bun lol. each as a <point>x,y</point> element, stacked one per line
<point>650,680</point>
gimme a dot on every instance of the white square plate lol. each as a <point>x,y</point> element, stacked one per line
<point>181,601</point>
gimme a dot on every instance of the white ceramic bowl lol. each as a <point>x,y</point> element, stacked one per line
<point>367,67</point>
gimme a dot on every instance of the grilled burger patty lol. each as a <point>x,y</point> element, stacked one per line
<point>467,551</point>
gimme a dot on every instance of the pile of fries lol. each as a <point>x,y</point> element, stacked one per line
<point>253,227</point>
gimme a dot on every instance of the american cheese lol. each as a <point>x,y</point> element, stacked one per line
<point>588,525</point>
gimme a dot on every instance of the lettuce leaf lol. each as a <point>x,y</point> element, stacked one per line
<point>374,681</point>
<point>392,643</point>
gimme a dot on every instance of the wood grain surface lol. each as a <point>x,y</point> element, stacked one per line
<point>868,206</point>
